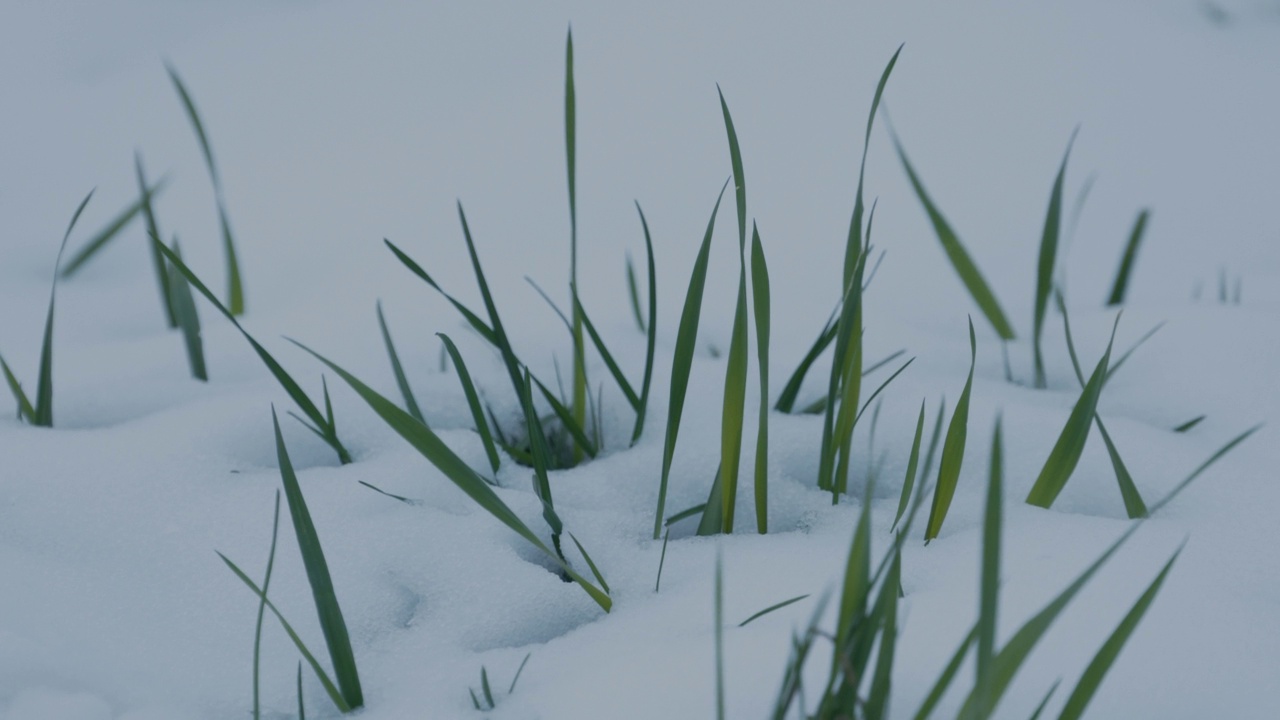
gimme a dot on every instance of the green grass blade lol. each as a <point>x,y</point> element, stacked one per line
<point>568,324</point>
<point>880,388</point>
<point>855,245</point>
<point>739,177</point>
<point>881,682</point>
<point>519,670</point>
<point>581,442</point>
<point>712,521</point>
<point>44,383</point>
<point>183,306</point>
<point>1120,361</point>
<point>153,228</point>
<point>627,391</point>
<point>633,293</point>
<point>1044,702</point>
<point>1110,650</point>
<point>1222,451</point>
<point>410,403</point>
<point>908,482</point>
<point>952,451</point>
<point>959,257</point>
<point>846,335</point>
<point>771,608</point>
<point>580,400</point>
<point>262,610</point>
<point>25,410</point>
<point>473,401</point>
<point>1066,452</point>
<point>760,305</point>
<point>989,592</point>
<point>330,614</point>
<point>472,319</point>
<point>946,677</point>
<point>484,687</point>
<point>719,634</point>
<point>112,228</point>
<point>662,559</point>
<point>733,415</point>
<point>595,571</point>
<point>682,359</point>
<point>302,708</point>
<point>790,391</point>
<point>393,496</point>
<point>431,447</point>
<point>329,687</point>
<point>857,584</point>
<point>1047,261</point>
<point>1121,284</point>
<point>541,463</point>
<point>651,338</point>
<point>934,437</point>
<point>1186,426</point>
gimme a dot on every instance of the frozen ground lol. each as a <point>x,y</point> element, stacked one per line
<point>336,125</point>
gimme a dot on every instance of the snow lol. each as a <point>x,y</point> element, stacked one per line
<point>335,125</point>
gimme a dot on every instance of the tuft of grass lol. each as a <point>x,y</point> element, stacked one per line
<point>1047,261</point>
<point>410,403</point>
<point>1121,284</point>
<point>235,287</point>
<point>952,450</point>
<point>183,306</point>
<point>760,300</point>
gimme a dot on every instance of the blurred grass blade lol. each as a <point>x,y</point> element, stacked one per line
<point>948,674</point>
<point>410,403</point>
<point>682,359</point>
<point>989,593</point>
<point>633,293</point>
<point>431,447</point>
<point>959,257</point>
<point>113,228</point>
<point>719,634</point>
<point>760,305</point>
<point>1110,650</point>
<point>183,306</point>
<point>473,401</point>
<point>472,319</point>
<point>1184,427</point>
<point>908,482</point>
<point>1121,284</point>
<point>651,338</point>
<point>857,584</point>
<point>952,450</point>
<point>771,608</point>
<point>879,389</point>
<point>595,571</point>
<point>662,559</point>
<point>519,670</point>
<point>484,687</point>
<point>25,410</point>
<point>262,610</point>
<point>881,681</point>
<point>327,610</point>
<point>1047,261</point>
<point>1115,366</point>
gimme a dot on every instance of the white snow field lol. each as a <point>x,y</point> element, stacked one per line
<point>335,125</point>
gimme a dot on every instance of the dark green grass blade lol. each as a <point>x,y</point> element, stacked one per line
<point>580,383</point>
<point>475,701</point>
<point>519,670</point>
<point>393,496</point>
<point>771,608</point>
<point>682,359</point>
<point>662,560</point>
<point>1066,452</point>
<point>908,482</point>
<point>1110,650</point>
<point>112,228</point>
<point>857,584</point>
<point>302,708</point>
<point>790,391</point>
<point>1047,261</point>
<point>651,338</point>
<point>44,384</point>
<point>153,228</point>
<point>183,306</point>
<point>286,381</point>
<point>329,687</point>
<point>959,257</point>
<point>845,335</point>
<point>989,592</point>
<point>880,388</point>
<point>473,401</point>
<point>952,451</point>
<point>541,463</point>
<point>479,325</point>
<point>1121,284</point>
<point>946,677</point>
<point>595,571</point>
<point>633,293</point>
<point>719,635</point>
<point>739,177</point>
<point>1222,451</point>
<point>326,599</point>
<point>1186,426</point>
<point>568,324</point>
<point>565,415</point>
<point>262,610</point>
<point>410,403</point>
<point>25,410</point>
<point>455,469</point>
<point>627,391</point>
<point>855,244</point>
<point>733,415</point>
<point>484,687</point>
<point>760,305</point>
<point>1044,702</point>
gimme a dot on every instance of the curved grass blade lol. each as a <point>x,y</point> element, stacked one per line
<point>183,306</point>
<point>771,608</point>
<point>908,483</point>
<point>262,609</point>
<point>651,338</point>
<point>1222,451</point>
<point>959,257</point>
<point>732,417</point>
<point>431,447</point>
<point>854,247</point>
<point>682,359</point>
<point>410,403</point>
<point>472,319</point>
<point>1110,650</point>
<point>519,670</point>
<point>330,614</point>
<point>43,406</point>
<point>760,305</point>
<point>473,401</point>
<point>1121,284</point>
<point>541,463</point>
<point>1044,702</point>
<point>595,571</point>
<point>1115,366</point>
<point>948,674</point>
<point>1048,258</point>
<point>393,496</point>
<point>627,391</point>
<point>113,228</point>
<point>952,451</point>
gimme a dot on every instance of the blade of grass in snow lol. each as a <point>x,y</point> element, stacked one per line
<point>651,338</point>
<point>410,403</point>
<point>633,293</point>
<point>541,463</point>
<point>952,451</point>
<point>1121,284</point>
<point>25,410</point>
<point>552,303</point>
<point>183,306</point>
<point>262,610</point>
<point>880,388</point>
<point>908,482</point>
<point>322,425</point>
<point>855,246</point>
<point>771,608</point>
<point>695,510</point>
<point>1222,451</point>
<point>959,257</point>
<point>682,359</point>
<point>627,391</point>
<point>850,374</point>
<point>472,319</point>
<point>519,670</point>
<point>881,682</point>
<point>473,401</point>
<point>235,289</point>
<point>857,584</point>
<point>719,620</point>
<point>662,559</point>
<point>570,148</point>
<point>431,447</point>
<point>947,676</point>
<point>393,496</point>
<point>302,708</point>
<point>1048,258</point>
<point>845,335</point>
<point>1110,650</point>
<point>565,415</point>
<point>712,521</point>
<point>1115,366</point>
<point>1186,426</point>
<point>989,590</point>
<point>595,571</point>
<point>484,687</point>
<point>322,592</point>
<point>790,391</point>
<point>760,299</point>
<point>112,228</point>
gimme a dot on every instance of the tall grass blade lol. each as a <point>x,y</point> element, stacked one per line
<point>410,403</point>
<point>580,399</point>
<point>682,359</point>
<point>845,337</point>
<point>1110,650</point>
<point>473,402</point>
<point>183,306</point>
<point>330,614</point>
<point>989,592</point>
<point>627,391</point>
<point>760,300</point>
<point>908,482</point>
<point>855,245</point>
<point>302,708</point>
<point>1121,284</point>
<point>651,338</point>
<point>477,324</point>
<point>262,609</point>
<point>541,463</point>
<point>43,406</point>
<point>857,583</point>
<point>1048,258</point>
<point>952,451</point>
<point>112,228</point>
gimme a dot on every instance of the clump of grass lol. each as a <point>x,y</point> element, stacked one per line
<point>40,412</point>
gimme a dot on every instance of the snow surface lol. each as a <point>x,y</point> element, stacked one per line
<point>337,124</point>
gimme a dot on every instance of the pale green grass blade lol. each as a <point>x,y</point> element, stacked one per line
<point>719,634</point>
<point>519,670</point>
<point>855,245</point>
<point>682,359</point>
<point>431,447</point>
<point>1044,702</point>
<point>329,687</point>
<point>908,482</point>
<point>849,381</point>
<point>633,293</point>
<point>1110,650</point>
<point>112,228</point>
<point>1186,426</point>
<point>790,391</point>
<point>760,305</point>
<point>25,410</point>
<point>402,381</point>
<point>989,592</point>
<point>183,306</point>
<point>473,401</point>
<point>651,339</point>
<point>472,319</point>
<point>771,608</point>
<point>946,677</point>
<point>1047,261</point>
<point>1222,451</point>
<point>330,614</point>
<point>286,381</point>
<point>882,680</point>
<point>959,257</point>
<point>595,571</point>
<point>262,610</point>
<point>44,383</point>
<point>1121,284</point>
<point>733,415</point>
<point>163,272</point>
<point>952,451</point>
<point>580,384</point>
<point>627,391</point>
<point>1066,452</point>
